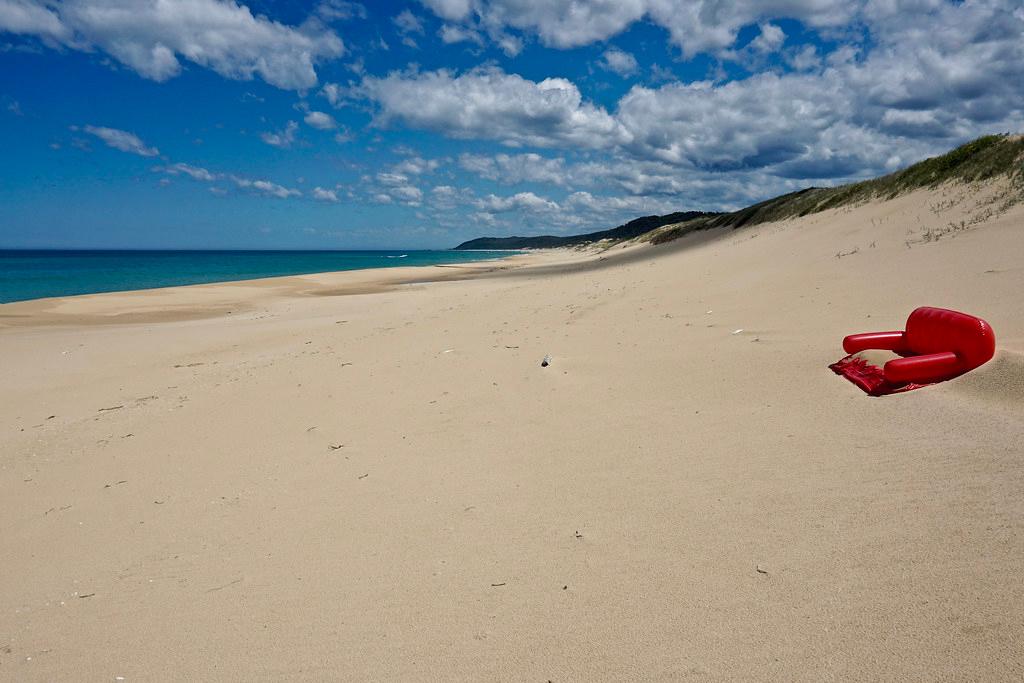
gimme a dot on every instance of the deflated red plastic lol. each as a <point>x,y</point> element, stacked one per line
<point>938,344</point>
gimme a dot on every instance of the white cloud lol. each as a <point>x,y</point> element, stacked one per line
<point>694,26</point>
<point>195,172</point>
<point>282,138</point>
<point>450,34</point>
<point>340,10</point>
<point>257,186</point>
<point>618,61</point>
<point>407,193</point>
<point>122,140</point>
<point>447,197</point>
<point>416,165</point>
<point>577,212</point>
<point>927,80</point>
<point>388,187</point>
<point>760,121</point>
<point>266,187</point>
<point>151,37</point>
<point>512,169</point>
<point>804,59</point>
<point>335,94</point>
<point>452,10</point>
<point>33,18</point>
<point>320,120</point>
<point>521,201</point>
<point>770,39</point>
<point>324,195</point>
<point>487,103</point>
<point>407,22</point>
<point>509,44</point>
<point>392,179</point>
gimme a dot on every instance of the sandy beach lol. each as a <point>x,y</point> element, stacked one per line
<point>369,475</point>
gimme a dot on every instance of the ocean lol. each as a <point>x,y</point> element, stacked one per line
<point>34,274</point>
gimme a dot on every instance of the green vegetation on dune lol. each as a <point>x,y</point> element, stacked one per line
<point>982,159</point>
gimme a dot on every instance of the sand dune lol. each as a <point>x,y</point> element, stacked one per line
<point>386,485</point>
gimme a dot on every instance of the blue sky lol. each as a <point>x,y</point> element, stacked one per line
<point>216,124</point>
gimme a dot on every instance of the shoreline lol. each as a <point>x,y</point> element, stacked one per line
<point>499,255</point>
<point>211,299</point>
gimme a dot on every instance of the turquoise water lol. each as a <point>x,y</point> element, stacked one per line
<point>31,274</point>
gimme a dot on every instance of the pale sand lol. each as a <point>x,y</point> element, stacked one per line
<point>668,500</point>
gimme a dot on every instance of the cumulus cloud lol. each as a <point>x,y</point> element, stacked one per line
<point>577,212</point>
<point>925,81</point>
<point>487,103</point>
<point>509,44</point>
<point>194,172</point>
<point>282,138</point>
<point>770,39</point>
<point>320,120</point>
<point>335,94</point>
<point>804,59</point>
<point>265,187</point>
<point>340,10</point>
<point>32,18</point>
<point>642,185</point>
<point>453,10</point>
<point>392,179</point>
<point>408,24</point>
<point>521,201</point>
<point>408,194</point>
<point>694,26</point>
<point>618,61</point>
<point>512,169</point>
<point>416,165</point>
<point>151,37</point>
<point>763,120</point>
<point>122,140</point>
<point>450,34</point>
<point>325,195</point>
<point>388,187</point>
<point>446,197</point>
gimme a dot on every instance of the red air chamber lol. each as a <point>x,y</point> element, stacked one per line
<point>937,345</point>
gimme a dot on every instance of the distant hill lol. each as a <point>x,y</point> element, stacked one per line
<point>632,229</point>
